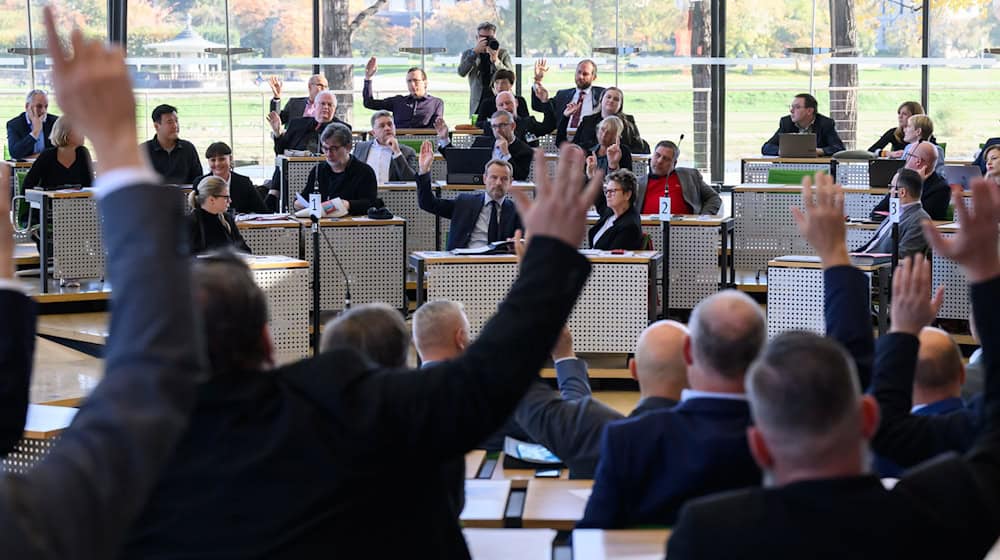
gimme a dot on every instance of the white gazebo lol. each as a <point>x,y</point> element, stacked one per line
<point>188,46</point>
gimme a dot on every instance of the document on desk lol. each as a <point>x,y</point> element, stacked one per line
<point>252,217</point>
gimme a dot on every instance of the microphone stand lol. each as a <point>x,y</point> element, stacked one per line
<point>315,282</point>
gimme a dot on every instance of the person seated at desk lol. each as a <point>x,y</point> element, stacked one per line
<point>981,156</point>
<point>416,110</point>
<point>243,195</point>
<point>608,154</point>
<point>684,185</point>
<point>526,128</point>
<point>67,163</point>
<point>297,107</point>
<point>920,128</point>
<point>620,226</point>
<point>505,143</point>
<point>612,104</point>
<point>585,96</point>
<point>894,136</point>
<point>991,156</point>
<point>503,80</point>
<point>804,118</point>
<point>303,133</point>
<point>30,133</point>
<point>175,159</point>
<point>476,218</point>
<point>341,175</point>
<point>907,186</point>
<point>211,226</point>
<point>390,160</point>
<point>936,193</point>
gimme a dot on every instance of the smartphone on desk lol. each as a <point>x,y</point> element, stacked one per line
<point>546,473</point>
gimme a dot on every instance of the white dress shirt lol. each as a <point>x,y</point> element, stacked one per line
<point>480,234</point>
<point>379,158</point>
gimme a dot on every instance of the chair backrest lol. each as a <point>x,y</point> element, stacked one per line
<point>647,242</point>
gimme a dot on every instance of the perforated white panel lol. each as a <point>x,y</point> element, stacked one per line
<point>694,265</point>
<point>795,300</point>
<point>419,224</point>
<point>548,143</point>
<point>857,237</point>
<point>956,290</point>
<point>298,173</point>
<point>27,453</point>
<point>439,169</point>
<point>288,303</point>
<point>612,311</point>
<point>373,257</point>
<point>859,205</point>
<point>77,248</point>
<point>765,228</point>
<point>282,241</point>
<point>853,174</point>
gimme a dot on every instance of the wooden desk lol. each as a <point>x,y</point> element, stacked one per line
<point>507,544</point>
<point>61,374</point>
<point>473,462</point>
<point>555,504</point>
<point>25,254</point>
<point>485,503</point>
<point>519,478</point>
<point>70,233</point>
<point>631,544</point>
<point>91,328</point>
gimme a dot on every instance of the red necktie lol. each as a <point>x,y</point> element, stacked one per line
<point>574,121</point>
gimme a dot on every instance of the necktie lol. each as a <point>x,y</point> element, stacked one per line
<point>574,121</point>
<point>493,232</point>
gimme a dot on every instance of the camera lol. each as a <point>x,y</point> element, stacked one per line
<point>493,44</point>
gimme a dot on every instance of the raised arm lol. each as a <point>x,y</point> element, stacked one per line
<point>426,199</point>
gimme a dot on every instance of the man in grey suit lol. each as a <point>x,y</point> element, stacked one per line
<point>908,186</point>
<point>78,501</point>
<point>391,160</point>
<point>570,422</point>
<point>685,186</point>
<point>481,62</point>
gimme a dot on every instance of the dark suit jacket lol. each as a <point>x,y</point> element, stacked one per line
<point>570,423</point>
<point>463,211</point>
<point>304,458</point>
<point>521,154</point>
<point>245,198</point>
<point>625,233</point>
<point>562,98</point>
<point>208,233</point>
<point>402,168</point>
<point>358,185</point>
<point>885,467</point>
<point>935,198</point>
<point>528,128</point>
<point>586,133</point>
<point>90,487</point>
<point>293,108</point>
<point>302,134</point>
<point>17,346</point>
<point>947,508</point>
<point>20,144</point>
<point>825,128</point>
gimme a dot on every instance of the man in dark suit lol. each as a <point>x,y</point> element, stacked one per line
<point>935,193</point>
<point>476,218</point>
<point>503,80</point>
<point>586,97</point>
<point>650,465</point>
<point>30,133</point>
<point>507,146</point>
<point>303,133</point>
<point>297,107</point>
<point>570,423</point>
<point>805,118</point>
<point>79,501</point>
<point>176,160</point>
<point>391,160</point>
<point>526,127</point>
<point>812,424</point>
<point>688,192</point>
<point>907,185</point>
<point>282,463</point>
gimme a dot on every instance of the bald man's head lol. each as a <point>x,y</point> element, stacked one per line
<point>506,101</point>
<point>659,364</point>
<point>728,330</point>
<point>923,159</point>
<point>940,372</point>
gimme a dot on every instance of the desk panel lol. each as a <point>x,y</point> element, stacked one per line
<point>421,226</point>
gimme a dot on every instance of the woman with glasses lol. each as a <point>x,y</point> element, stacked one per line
<point>211,226</point>
<point>609,154</point>
<point>620,226</point>
<point>346,185</point>
<point>612,103</point>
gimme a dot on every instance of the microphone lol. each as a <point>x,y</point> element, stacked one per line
<point>679,140</point>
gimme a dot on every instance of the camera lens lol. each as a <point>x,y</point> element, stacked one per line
<point>493,44</point>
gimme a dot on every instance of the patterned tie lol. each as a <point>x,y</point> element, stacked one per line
<point>574,121</point>
<point>493,232</point>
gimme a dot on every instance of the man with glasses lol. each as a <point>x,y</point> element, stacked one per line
<point>296,107</point>
<point>346,185</point>
<point>506,145</point>
<point>481,62</point>
<point>804,118</point>
<point>30,133</point>
<point>303,133</point>
<point>526,127</point>
<point>907,185</point>
<point>391,160</point>
<point>416,110</point>
<point>935,197</point>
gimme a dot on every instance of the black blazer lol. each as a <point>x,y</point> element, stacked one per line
<point>302,134</point>
<point>586,133</point>
<point>825,128</point>
<point>488,106</point>
<point>17,347</point>
<point>208,233</point>
<point>521,154</point>
<point>625,233</point>
<point>463,211</point>
<point>293,108</point>
<point>20,144</point>
<point>245,198</point>
<point>358,185</point>
<point>935,198</point>
<point>48,172</point>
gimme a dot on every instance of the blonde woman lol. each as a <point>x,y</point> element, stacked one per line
<point>211,226</point>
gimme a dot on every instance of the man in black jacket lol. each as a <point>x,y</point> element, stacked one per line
<point>507,146</point>
<point>804,117</point>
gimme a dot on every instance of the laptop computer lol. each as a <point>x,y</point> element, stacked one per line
<point>466,165</point>
<point>961,174</point>
<point>881,172</point>
<point>793,144</point>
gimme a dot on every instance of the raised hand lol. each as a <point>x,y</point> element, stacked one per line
<point>614,155</point>
<point>974,245</point>
<point>37,119</point>
<point>571,108</point>
<point>822,221</point>
<point>591,165</point>
<point>95,92</point>
<point>912,310</point>
<point>426,157</point>
<point>481,46</point>
<point>541,67</point>
<point>519,247</point>
<point>371,68</point>
<point>541,93</point>
<point>275,84</point>
<point>559,209</point>
<point>441,128</point>
<point>274,119</point>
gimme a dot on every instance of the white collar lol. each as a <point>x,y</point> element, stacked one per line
<point>687,394</point>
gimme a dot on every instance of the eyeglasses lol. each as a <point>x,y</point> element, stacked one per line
<point>500,125</point>
<point>612,190</point>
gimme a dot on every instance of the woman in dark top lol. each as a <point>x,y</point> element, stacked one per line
<point>67,163</point>
<point>245,198</point>
<point>612,102</point>
<point>894,136</point>
<point>341,176</point>
<point>620,226</point>
<point>211,226</point>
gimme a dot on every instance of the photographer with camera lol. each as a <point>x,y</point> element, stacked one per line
<point>481,62</point>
